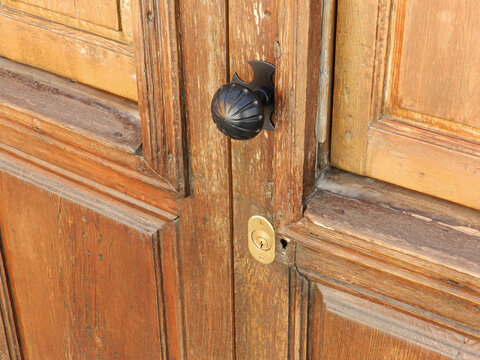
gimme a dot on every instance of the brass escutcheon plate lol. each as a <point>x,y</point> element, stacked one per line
<point>261,239</point>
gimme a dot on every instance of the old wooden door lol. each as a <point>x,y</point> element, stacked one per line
<point>123,210</point>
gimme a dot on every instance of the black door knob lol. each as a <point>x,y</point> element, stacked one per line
<point>241,110</point>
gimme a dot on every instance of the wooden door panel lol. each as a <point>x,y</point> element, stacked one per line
<point>87,41</point>
<point>103,12</point>
<point>349,327</point>
<point>84,277</point>
<point>437,63</point>
<point>405,97</point>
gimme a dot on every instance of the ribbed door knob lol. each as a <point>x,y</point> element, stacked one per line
<point>241,110</point>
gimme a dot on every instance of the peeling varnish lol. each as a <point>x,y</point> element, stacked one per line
<point>420,217</point>
<point>463,229</point>
<point>460,228</point>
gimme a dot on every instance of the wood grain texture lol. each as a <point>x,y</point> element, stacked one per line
<point>69,139</point>
<point>92,261</point>
<point>401,154</point>
<point>377,332</point>
<point>298,58</point>
<point>160,84</point>
<point>9,345</point>
<point>439,54</point>
<point>390,243</point>
<point>273,172</point>
<point>325,93</point>
<point>71,53</point>
<point>205,244</point>
<point>354,66</point>
<point>104,13</point>
<point>172,290</point>
<point>403,96</point>
<point>299,317</point>
<point>253,29</point>
<point>4,352</point>
<point>80,109</point>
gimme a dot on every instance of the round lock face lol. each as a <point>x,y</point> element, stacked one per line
<point>261,240</point>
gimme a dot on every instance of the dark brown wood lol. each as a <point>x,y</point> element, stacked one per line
<point>77,267</point>
<point>205,245</point>
<point>391,243</point>
<point>160,86</point>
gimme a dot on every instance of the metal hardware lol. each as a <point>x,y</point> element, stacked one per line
<point>261,239</point>
<point>241,110</point>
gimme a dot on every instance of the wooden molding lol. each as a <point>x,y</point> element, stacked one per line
<point>400,248</point>
<point>391,322</point>
<point>69,139</point>
<point>392,155</point>
<point>299,316</point>
<point>8,317</point>
<point>138,224</point>
<point>298,65</point>
<point>160,89</point>
<point>69,52</point>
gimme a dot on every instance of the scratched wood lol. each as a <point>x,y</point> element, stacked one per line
<point>298,60</point>
<point>253,35</point>
<point>205,245</point>
<point>159,69</point>
<point>273,172</point>
<point>83,274</point>
<point>425,250</point>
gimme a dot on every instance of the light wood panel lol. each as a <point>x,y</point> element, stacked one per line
<point>84,41</point>
<point>101,12</point>
<point>437,72</point>
<point>84,274</point>
<point>404,98</point>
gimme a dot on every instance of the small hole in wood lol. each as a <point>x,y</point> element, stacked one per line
<point>284,244</point>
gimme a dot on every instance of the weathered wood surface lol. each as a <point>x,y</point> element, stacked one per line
<point>205,246</point>
<point>253,35</point>
<point>354,328</point>
<point>9,345</point>
<point>160,84</point>
<point>298,59</point>
<point>84,274</point>
<point>75,107</point>
<point>386,242</point>
<point>84,134</point>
